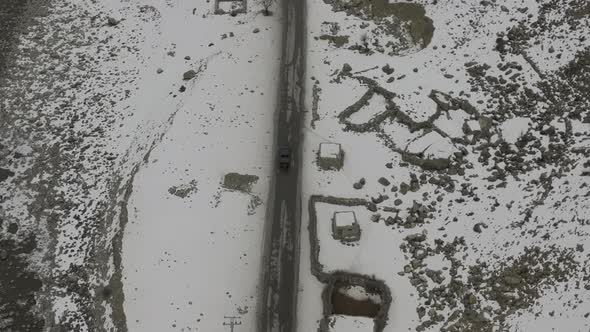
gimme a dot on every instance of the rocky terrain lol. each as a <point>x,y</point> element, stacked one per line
<point>88,90</point>
<point>478,155</point>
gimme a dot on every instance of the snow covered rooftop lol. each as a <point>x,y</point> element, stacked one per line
<point>343,219</point>
<point>330,150</point>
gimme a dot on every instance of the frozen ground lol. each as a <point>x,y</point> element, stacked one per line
<point>468,120</point>
<point>110,143</point>
<point>482,139</point>
<point>194,258</point>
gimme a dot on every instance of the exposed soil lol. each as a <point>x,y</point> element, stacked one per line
<point>345,305</point>
<point>17,286</point>
<point>239,182</point>
<point>400,26</point>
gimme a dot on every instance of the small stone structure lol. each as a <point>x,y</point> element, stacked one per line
<point>240,7</point>
<point>317,268</point>
<point>330,156</point>
<point>345,227</point>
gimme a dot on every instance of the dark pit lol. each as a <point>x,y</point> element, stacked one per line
<point>365,306</point>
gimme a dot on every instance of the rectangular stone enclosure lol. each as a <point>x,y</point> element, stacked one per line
<point>345,227</point>
<point>330,156</point>
<point>230,7</point>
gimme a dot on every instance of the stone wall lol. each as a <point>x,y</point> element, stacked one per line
<point>317,269</point>
<point>242,9</point>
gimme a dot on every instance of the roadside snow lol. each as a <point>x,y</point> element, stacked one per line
<point>195,259</point>
<point>341,323</point>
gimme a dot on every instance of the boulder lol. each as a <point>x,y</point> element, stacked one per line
<point>383,181</point>
<point>189,75</point>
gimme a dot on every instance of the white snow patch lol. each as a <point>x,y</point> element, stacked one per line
<point>452,122</point>
<point>376,105</point>
<point>346,218</point>
<point>513,128</point>
<point>330,150</point>
<point>432,145</point>
<point>195,260</point>
<point>342,323</point>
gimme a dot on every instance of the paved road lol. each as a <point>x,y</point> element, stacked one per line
<point>278,306</point>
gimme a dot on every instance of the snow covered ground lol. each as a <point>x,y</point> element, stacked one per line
<point>480,221</point>
<point>190,259</point>
<point>119,121</point>
<point>468,121</point>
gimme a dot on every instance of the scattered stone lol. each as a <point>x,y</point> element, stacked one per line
<point>512,280</point>
<point>418,237</point>
<point>184,190</point>
<point>383,181</point>
<point>389,221</point>
<point>360,184</point>
<point>378,199</point>
<point>5,174</point>
<point>478,227</point>
<point>387,69</point>
<point>371,206</point>
<point>256,30</point>
<point>159,70</point>
<point>112,21</point>
<point>403,188</point>
<point>346,68</point>
<point>189,75</point>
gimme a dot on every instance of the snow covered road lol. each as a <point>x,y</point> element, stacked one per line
<point>278,302</point>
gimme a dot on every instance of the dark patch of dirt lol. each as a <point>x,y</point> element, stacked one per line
<point>345,305</point>
<point>18,286</point>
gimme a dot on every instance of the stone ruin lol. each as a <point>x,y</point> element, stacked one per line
<point>330,156</point>
<point>345,227</point>
<point>232,7</point>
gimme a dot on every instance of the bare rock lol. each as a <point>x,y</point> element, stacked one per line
<point>189,75</point>
<point>112,21</point>
<point>478,227</point>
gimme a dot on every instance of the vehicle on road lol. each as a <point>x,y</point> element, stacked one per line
<point>284,157</point>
